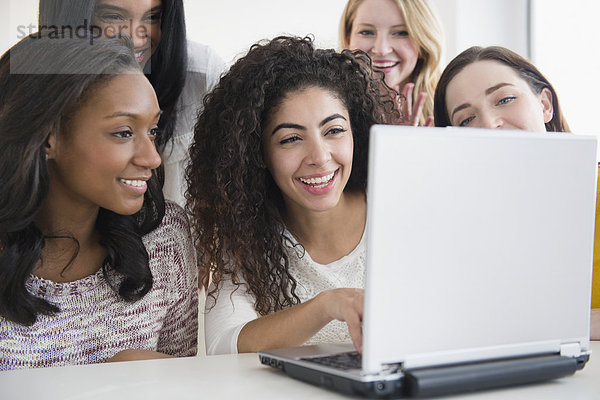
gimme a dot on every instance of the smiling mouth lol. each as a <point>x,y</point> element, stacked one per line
<point>319,182</point>
<point>133,182</point>
<point>139,56</point>
<point>385,65</point>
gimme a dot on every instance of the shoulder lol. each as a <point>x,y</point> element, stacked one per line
<point>204,59</point>
<point>170,248</point>
<point>174,228</point>
<point>204,70</point>
<point>175,215</point>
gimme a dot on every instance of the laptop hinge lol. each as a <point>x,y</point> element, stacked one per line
<point>388,369</point>
<point>429,382</point>
<point>570,349</point>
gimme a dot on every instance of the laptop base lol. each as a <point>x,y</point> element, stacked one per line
<point>428,382</point>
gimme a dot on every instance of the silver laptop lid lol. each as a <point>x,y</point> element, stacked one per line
<point>479,244</point>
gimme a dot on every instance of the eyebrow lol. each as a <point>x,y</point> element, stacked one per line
<point>129,115</point>
<point>372,26</point>
<point>303,128</point>
<point>488,91</point>
<point>105,7</point>
<point>496,87</point>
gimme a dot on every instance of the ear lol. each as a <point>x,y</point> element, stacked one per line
<point>547,108</point>
<point>51,146</point>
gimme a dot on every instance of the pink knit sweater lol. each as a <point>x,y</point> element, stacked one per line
<point>95,323</point>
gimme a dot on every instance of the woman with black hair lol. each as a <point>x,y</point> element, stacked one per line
<point>277,184</point>
<point>94,265</point>
<point>180,71</point>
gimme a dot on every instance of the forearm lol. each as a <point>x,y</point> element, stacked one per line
<point>286,328</point>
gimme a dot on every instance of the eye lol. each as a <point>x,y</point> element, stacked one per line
<point>110,17</point>
<point>291,139</point>
<point>155,133</point>
<point>400,34</point>
<point>366,32</point>
<point>335,131</point>
<point>506,100</point>
<point>123,134</point>
<point>155,17</point>
<point>466,121</point>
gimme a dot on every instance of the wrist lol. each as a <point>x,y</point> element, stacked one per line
<point>323,301</point>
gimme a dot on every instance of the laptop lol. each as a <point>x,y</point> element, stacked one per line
<point>479,265</point>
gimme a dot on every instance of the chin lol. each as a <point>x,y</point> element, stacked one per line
<point>324,206</point>
<point>128,210</point>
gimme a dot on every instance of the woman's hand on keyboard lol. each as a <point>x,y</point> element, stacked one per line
<point>346,305</point>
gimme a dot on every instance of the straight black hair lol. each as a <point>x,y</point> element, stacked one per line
<point>168,65</point>
<point>43,82</point>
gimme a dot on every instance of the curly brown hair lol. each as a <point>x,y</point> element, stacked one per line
<point>233,201</point>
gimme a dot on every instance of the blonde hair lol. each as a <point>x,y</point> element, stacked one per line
<point>424,30</point>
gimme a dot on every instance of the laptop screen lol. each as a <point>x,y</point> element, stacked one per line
<point>479,244</point>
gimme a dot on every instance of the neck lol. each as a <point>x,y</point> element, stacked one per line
<point>329,235</point>
<point>72,247</point>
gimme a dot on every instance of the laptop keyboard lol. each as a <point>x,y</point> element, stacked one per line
<point>344,361</point>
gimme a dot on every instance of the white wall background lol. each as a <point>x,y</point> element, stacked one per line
<point>564,41</point>
<point>566,48</point>
<point>231,26</point>
<point>484,23</point>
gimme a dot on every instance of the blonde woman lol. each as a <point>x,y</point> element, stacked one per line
<point>404,40</point>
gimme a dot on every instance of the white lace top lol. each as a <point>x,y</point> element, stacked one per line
<point>233,309</point>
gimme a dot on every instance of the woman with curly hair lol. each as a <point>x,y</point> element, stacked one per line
<point>94,264</point>
<point>277,192</point>
<point>404,39</point>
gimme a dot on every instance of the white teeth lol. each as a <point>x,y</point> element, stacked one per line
<point>133,182</point>
<point>318,182</point>
<point>385,65</point>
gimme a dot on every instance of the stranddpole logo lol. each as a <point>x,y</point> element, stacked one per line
<point>90,34</point>
<point>83,31</point>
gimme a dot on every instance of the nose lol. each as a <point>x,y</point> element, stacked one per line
<point>381,46</point>
<point>137,31</point>
<point>491,121</point>
<point>146,155</point>
<point>319,153</point>
<point>140,33</point>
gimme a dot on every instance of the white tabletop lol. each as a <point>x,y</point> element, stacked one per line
<point>231,377</point>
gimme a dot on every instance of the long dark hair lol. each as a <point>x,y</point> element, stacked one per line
<point>168,64</point>
<point>233,200</point>
<point>526,70</point>
<point>43,82</point>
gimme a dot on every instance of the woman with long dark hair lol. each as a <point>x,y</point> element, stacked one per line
<point>94,265</point>
<point>277,186</point>
<point>180,71</point>
<point>490,64</point>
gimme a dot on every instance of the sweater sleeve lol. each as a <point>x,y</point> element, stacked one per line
<point>225,318</point>
<point>179,333</point>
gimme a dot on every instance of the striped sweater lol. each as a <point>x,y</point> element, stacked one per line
<point>94,323</point>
